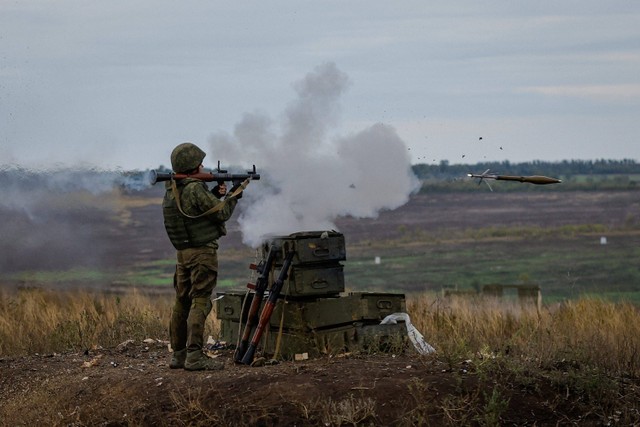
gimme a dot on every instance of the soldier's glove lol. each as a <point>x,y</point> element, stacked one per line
<point>216,191</point>
<point>219,190</point>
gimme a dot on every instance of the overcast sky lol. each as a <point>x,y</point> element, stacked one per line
<point>118,84</point>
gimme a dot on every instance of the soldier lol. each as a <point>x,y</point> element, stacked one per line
<point>194,223</point>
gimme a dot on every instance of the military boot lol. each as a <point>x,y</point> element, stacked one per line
<point>178,358</point>
<point>198,361</point>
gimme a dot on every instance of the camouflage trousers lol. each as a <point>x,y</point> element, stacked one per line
<point>194,280</point>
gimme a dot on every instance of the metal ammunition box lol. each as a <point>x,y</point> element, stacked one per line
<point>315,280</point>
<point>230,307</point>
<point>318,313</point>
<point>313,315</point>
<point>352,307</point>
<point>318,326</point>
<point>310,247</point>
<point>347,338</point>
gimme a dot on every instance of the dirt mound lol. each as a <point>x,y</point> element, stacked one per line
<point>132,385</point>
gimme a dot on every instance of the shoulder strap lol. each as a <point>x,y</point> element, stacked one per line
<point>216,208</point>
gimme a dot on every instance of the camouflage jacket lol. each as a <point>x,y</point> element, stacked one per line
<point>195,199</point>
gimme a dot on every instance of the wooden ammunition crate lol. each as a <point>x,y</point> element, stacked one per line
<point>314,281</point>
<point>347,338</point>
<point>318,313</point>
<point>310,247</point>
<point>351,307</point>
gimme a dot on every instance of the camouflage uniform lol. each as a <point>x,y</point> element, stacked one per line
<point>197,266</point>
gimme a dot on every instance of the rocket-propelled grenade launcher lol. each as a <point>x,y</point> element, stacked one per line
<point>219,175</point>
<point>533,179</point>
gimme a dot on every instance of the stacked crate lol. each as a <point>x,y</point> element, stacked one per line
<point>314,315</point>
<point>316,270</point>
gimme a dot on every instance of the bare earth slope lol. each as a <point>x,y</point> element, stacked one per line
<point>134,386</point>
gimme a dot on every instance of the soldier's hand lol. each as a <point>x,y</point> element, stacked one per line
<point>219,190</point>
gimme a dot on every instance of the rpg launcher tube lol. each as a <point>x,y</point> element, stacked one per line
<point>204,176</point>
<point>254,309</point>
<point>267,310</point>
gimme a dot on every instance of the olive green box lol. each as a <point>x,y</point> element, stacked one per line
<point>347,338</point>
<point>351,307</point>
<point>318,313</point>
<point>316,280</point>
<point>310,247</point>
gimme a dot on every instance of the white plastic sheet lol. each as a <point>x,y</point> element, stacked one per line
<point>415,336</point>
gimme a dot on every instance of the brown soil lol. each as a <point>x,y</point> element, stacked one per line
<point>134,386</point>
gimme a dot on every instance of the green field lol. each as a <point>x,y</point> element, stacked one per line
<point>565,268</point>
<point>461,241</point>
<point>566,262</point>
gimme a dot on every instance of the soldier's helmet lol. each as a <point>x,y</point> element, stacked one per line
<point>186,157</point>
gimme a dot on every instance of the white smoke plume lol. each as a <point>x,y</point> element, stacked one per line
<point>309,178</point>
<point>60,219</point>
<point>33,190</point>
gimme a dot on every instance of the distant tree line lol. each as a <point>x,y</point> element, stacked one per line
<point>536,167</point>
<point>575,174</point>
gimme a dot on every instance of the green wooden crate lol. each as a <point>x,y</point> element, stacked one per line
<point>318,313</point>
<point>356,337</point>
<point>311,247</point>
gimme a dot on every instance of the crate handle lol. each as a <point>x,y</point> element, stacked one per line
<point>228,310</point>
<point>384,304</point>
<point>319,284</point>
<point>321,252</point>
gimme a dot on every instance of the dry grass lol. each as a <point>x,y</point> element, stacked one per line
<point>44,321</point>
<point>585,352</point>
<point>587,332</point>
<point>353,411</point>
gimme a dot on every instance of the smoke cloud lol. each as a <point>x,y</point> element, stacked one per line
<point>61,219</point>
<point>58,219</point>
<point>310,179</point>
<point>37,193</point>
